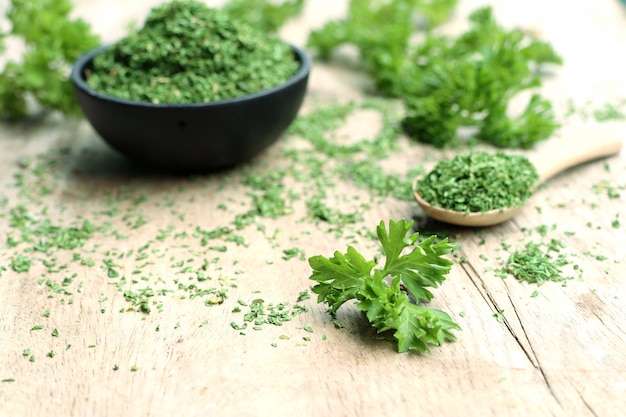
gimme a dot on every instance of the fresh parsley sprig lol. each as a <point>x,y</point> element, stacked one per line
<point>470,80</point>
<point>53,40</point>
<point>381,31</point>
<point>388,295</point>
<point>448,83</point>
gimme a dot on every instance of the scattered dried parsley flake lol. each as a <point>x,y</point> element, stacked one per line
<point>261,312</point>
<point>611,190</point>
<point>537,263</point>
<point>187,52</point>
<point>21,263</point>
<point>291,253</point>
<point>499,315</point>
<point>479,181</point>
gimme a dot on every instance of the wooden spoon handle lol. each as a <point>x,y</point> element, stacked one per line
<point>584,145</point>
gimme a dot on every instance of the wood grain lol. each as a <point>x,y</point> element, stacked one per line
<point>559,353</point>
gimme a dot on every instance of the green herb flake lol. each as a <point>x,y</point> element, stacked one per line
<point>219,248</point>
<point>21,263</point>
<point>304,295</point>
<point>608,112</point>
<point>499,315</point>
<point>596,256</point>
<point>537,263</point>
<point>238,326</point>
<point>612,191</point>
<point>291,253</point>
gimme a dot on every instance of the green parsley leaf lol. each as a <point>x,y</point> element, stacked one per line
<point>387,295</point>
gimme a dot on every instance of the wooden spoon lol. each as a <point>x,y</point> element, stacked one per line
<point>585,145</point>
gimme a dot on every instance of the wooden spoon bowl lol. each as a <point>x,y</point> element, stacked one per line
<point>587,144</point>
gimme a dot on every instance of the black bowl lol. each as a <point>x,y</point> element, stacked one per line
<point>192,137</point>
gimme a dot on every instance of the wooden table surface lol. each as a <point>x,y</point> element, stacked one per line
<point>558,349</point>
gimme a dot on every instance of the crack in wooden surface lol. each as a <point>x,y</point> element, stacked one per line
<point>494,306</point>
<point>537,363</point>
<point>587,405</point>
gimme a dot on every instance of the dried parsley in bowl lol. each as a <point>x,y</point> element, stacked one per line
<point>186,53</point>
<point>479,182</point>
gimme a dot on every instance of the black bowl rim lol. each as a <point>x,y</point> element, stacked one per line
<point>79,81</point>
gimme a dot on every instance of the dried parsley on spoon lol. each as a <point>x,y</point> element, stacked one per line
<point>479,182</point>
